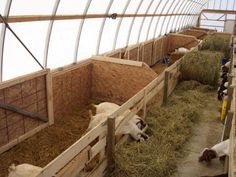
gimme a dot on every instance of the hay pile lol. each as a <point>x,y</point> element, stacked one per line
<point>216,43</point>
<point>169,128</point>
<point>202,66</point>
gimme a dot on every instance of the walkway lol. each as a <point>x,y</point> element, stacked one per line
<point>206,134</point>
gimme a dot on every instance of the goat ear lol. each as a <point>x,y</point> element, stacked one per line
<point>12,168</point>
<point>94,105</point>
<point>203,155</point>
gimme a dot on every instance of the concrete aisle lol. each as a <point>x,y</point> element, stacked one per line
<point>206,133</point>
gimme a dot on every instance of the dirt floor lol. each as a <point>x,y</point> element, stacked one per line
<point>206,133</point>
<point>44,146</point>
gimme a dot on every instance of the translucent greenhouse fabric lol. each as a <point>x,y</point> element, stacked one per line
<point>61,42</point>
<point>209,20</point>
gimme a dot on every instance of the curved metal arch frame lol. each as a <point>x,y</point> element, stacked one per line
<point>163,22</point>
<point>119,25</point>
<point>196,11</point>
<point>48,38</point>
<point>77,42</point>
<point>180,24</point>
<point>179,10</point>
<point>180,16</point>
<point>150,23</point>
<point>193,10</point>
<point>144,18</point>
<point>184,10</point>
<point>158,20</point>
<point>194,18</point>
<point>102,26</point>
<point>189,11</point>
<point>2,37</point>
<point>132,23</point>
<point>168,24</point>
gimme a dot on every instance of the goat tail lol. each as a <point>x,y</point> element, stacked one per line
<point>12,168</point>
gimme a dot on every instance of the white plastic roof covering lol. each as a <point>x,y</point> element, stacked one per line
<point>59,42</point>
<point>209,20</point>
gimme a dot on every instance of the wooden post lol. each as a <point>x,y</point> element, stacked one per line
<point>50,99</point>
<point>227,126</point>
<point>167,73</point>
<point>145,104</point>
<point>230,97</point>
<point>110,142</point>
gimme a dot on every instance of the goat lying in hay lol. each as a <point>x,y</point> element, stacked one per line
<point>135,127</point>
<point>24,170</point>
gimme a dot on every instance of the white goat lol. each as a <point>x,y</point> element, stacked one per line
<point>24,170</point>
<point>182,49</point>
<point>134,127</point>
<point>218,150</point>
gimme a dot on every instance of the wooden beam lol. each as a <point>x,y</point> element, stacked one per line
<point>118,61</point>
<point>166,81</point>
<point>16,109</point>
<point>50,99</point>
<point>218,11</point>
<point>30,18</point>
<point>23,78</point>
<point>227,126</point>
<point>110,142</point>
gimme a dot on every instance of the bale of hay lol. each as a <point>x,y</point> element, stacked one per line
<point>169,129</point>
<point>216,43</point>
<point>202,66</point>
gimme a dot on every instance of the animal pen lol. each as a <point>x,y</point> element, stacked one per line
<point>32,103</point>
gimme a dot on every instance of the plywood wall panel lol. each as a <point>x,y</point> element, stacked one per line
<point>179,40</point>
<point>199,34</point>
<point>27,93</point>
<point>71,88</point>
<point>117,83</point>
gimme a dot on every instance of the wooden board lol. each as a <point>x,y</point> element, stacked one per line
<point>63,159</point>
<point>132,53</point>
<point>146,49</point>
<point>71,87</point>
<point>199,34</point>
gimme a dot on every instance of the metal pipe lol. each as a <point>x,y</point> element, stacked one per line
<point>102,27</point>
<point>132,22</point>
<point>80,31</point>
<point>149,26</point>
<point>194,9</point>
<point>181,18</point>
<point>119,25</point>
<point>141,26</point>
<point>155,30</point>
<point>180,9</point>
<point>204,3</point>
<point>2,37</point>
<point>168,23</point>
<point>26,48</point>
<point>48,37</point>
